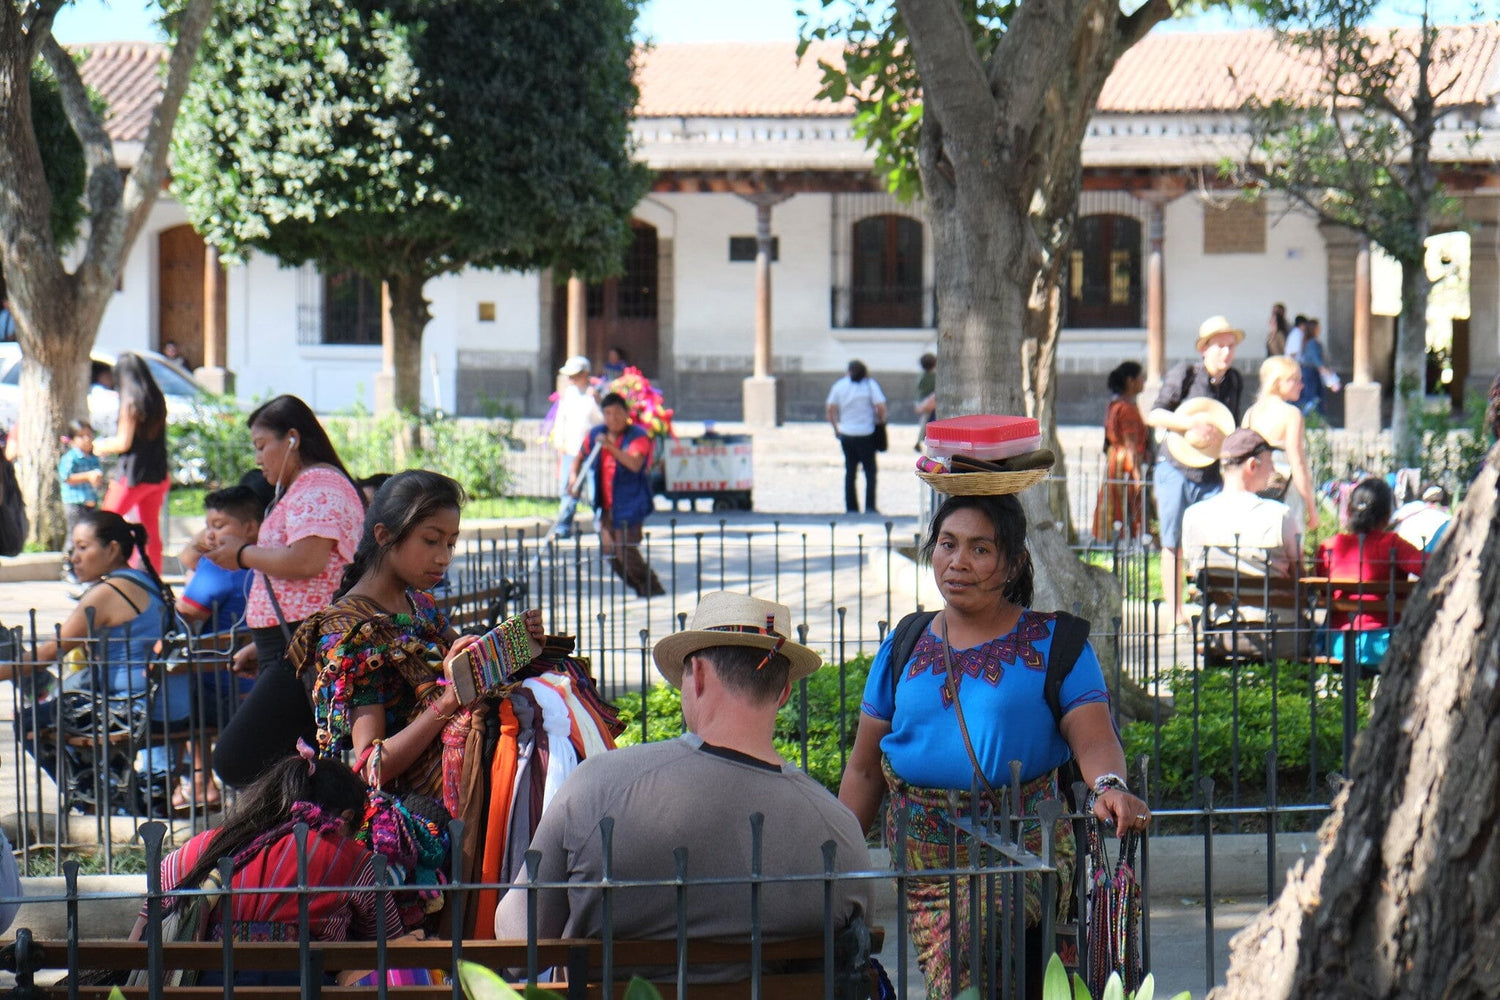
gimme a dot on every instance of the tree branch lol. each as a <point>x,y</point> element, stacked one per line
<point>104,184</point>
<point>1133,27</point>
<point>955,87</point>
<point>36,25</point>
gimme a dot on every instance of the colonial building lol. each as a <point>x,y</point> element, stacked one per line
<point>748,159</point>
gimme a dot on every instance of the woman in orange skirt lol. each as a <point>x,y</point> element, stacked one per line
<point>1126,446</point>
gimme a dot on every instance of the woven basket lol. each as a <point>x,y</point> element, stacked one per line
<point>982,483</point>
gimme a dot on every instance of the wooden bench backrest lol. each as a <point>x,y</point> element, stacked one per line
<point>1389,596</point>
<point>1223,587</point>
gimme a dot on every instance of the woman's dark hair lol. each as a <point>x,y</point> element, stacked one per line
<point>1123,373</point>
<point>857,371</point>
<point>267,803</point>
<point>287,413</point>
<point>139,392</point>
<point>405,501</point>
<point>374,482</point>
<point>614,399</point>
<point>1009,521</point>
<point>112,529</point>
<point>1370,505</point>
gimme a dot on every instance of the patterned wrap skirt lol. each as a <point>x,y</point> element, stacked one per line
<point>928,834</point>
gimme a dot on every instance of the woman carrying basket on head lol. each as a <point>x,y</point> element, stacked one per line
<point>971,696</point>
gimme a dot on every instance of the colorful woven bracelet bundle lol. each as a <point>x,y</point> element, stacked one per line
<point>500,653</point>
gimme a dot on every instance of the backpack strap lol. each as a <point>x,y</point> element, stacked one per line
<point>907,632</point>
<point>1069,635</point>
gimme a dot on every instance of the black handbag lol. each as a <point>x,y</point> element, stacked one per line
<point>14,525</point>
<point>882,440</point>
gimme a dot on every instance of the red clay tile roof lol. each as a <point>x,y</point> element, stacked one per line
<point>128,75</point>
<point>1182,72</point>
<point>1170,72</point>
<point>734,80</point>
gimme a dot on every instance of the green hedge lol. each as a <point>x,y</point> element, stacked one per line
<point>825,753</point>
<point>1215,722</point>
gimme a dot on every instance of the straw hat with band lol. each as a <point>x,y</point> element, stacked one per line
<point>1200,409</point>
<point>726,619</point>
<point>1212,327</point>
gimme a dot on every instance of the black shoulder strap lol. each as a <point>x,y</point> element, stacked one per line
<point>126,597</point>
<point>1069,636</point>
<point>908,631</point>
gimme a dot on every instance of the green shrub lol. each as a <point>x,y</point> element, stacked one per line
<point>476,452</point>
<point>212,446</point>
<point>826,754</point>
<point>1215,721</point>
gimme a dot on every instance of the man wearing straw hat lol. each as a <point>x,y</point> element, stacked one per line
<point>1199,406</point>
<point>735,667</point>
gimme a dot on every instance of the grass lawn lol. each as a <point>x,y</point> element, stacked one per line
<point>188,502</point>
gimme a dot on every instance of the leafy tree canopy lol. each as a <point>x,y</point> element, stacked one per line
<point>415,136</point>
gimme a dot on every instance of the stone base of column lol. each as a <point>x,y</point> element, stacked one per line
<point>216,380</point>
<point>1362,407</point>
<point>760,402</point>
<point>385,393</point>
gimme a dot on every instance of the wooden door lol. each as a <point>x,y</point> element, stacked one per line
<point>181,256</point>
<point>621,311</point>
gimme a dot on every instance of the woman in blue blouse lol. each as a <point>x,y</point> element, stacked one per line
<point>910,742</point>
<point>130,609</point>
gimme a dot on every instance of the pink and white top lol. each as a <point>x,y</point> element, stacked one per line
<point>321,503</point>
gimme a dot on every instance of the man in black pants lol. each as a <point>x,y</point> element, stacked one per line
<point>855,407</point>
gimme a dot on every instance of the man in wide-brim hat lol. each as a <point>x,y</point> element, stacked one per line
<point>735,667</point>
<point>1179,484</point>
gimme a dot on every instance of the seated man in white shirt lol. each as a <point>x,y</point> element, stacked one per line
<point>1238,529</point>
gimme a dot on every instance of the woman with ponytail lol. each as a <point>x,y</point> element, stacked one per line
<point>307,538</point>
<point>131,609</point>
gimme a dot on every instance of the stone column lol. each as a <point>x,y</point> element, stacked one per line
<point>760,402</point>
<point>1484,305</point>
<point>1166,190</point>
<point>1341,248</point>
<point>385,382</point>
<point>1362,394</point>
<point>214,374</point>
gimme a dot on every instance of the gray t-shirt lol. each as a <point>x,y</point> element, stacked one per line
<point>683,793</point>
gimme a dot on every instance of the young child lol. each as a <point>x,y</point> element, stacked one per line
<point>216,596</point>
<point>82,480</point>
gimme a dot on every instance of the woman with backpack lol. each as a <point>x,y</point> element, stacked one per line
<point>970,694</point>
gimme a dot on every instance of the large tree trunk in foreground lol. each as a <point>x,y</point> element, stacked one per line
<point>1403,898</point>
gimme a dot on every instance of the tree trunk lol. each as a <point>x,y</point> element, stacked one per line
<point>1411,365</point>
<point>58,311</point>
<point>1401,899</point>
<point>409,316</point>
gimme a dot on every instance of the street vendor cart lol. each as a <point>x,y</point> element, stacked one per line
<point>717,467</point>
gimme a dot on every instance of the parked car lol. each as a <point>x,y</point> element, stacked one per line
<point>182,391</point>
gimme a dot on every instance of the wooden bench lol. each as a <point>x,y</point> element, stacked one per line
<point>1224,590</point>
<point>794,970</point>
<point>1352,597</point>
<point>482,609</point>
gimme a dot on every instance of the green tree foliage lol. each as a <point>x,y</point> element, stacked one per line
<point>411,138</point>
<point>1357,149</point>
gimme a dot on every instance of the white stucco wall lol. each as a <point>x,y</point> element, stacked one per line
<point>1240,286</point>
<point>714,298</point>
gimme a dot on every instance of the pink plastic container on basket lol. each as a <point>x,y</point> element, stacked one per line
<point>982,435</point>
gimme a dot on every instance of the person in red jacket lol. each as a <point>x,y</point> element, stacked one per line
<point>1367,551</point>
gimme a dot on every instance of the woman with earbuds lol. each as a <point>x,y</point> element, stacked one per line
<point>309,534</point>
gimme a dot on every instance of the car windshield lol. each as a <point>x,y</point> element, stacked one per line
<point>171,381</point>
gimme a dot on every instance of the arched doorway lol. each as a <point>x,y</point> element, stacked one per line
<point>622,311</point>
<point>181,256</point>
